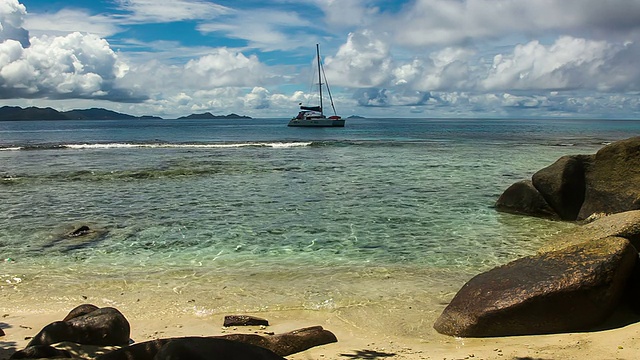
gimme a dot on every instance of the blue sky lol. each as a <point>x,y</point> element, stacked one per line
<point>418,58</point>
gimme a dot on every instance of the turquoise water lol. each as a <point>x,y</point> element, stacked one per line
<point>305,218</point>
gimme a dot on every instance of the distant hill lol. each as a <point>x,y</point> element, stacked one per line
<point>101,114</point>
<point>208,115</point>
<point>356,117</point>
<point>34,113</point>
<point>17,113</point>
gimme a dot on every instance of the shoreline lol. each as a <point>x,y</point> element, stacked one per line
<point>356,339</point>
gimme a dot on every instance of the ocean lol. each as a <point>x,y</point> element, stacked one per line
<point>215,216</point>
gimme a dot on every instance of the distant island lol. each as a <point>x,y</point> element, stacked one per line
<point>35,113</point>
<point>209,115</point>
<point>15,113</point>
<point>356,117</point>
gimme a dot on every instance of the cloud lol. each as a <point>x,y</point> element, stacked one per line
<point>568,64</point>
<point>224,68</point>
<point>363,61</point>
<point>373,97</point>
<point>433,22</point>
<point>258,98</point>
<point>433,56</point>
<point>446,69</point>
<point>266,29</point>
<point>68,21</point>
<point>12,16</point>
<point>72,66</point>
<point>346,13</point>
<point>169,11</point>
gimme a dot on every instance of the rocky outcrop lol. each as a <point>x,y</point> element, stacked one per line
<point>288,343</point>
<point>570,289</point>
<point>102,327</point>
<point>626,225</point>
<point>89,325</point>
<point>612,180</point>
<point>281,344</point>
<point>562,185</point>
<point>577,186</point>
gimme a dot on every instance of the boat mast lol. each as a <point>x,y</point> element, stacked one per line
<point>319,78</point>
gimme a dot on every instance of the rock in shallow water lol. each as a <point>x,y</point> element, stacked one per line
<point>577,186</point>
<point>562,185</point>
<point>523,198</point>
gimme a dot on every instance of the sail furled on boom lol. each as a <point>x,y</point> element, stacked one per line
<point>311,108</point>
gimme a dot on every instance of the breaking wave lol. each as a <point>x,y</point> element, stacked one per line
<point>274,145</point>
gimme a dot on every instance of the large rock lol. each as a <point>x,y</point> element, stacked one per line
<point>613,179</point>
<point>625,224</point>
<point>102,327</point>
<point>80,310</point>
<point>523,198</point>
<point>562,185</point>
<point>575,187</point>
<point>571,289</point>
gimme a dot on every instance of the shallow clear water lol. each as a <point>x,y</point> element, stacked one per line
<point>277,217</point>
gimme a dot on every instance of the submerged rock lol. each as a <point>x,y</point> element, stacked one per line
<point>81,231</point>
<point>571,289</point>
<point>523,198</point>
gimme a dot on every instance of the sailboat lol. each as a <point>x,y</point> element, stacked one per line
<point>313,116</point>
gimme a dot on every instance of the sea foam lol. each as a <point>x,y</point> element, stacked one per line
<point>275,145</point>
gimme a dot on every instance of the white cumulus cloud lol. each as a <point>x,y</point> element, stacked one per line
<point>363,61</point>
<point>12,16</point>
<point>224,68</point>
<point>72,66</point>
<point>568,64</point>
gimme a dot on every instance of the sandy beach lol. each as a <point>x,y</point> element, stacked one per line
<point>358,338</point>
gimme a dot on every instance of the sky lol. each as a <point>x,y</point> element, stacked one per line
<point>382,58</point>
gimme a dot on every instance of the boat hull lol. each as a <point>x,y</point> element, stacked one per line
<point>317,122</point>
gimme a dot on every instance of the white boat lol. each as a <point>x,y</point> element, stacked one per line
<point>313,116</point>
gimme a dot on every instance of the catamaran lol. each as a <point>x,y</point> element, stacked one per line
<point>313,116</point>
